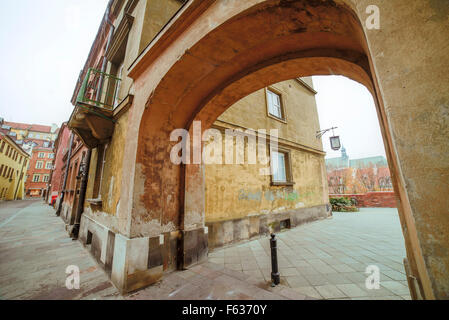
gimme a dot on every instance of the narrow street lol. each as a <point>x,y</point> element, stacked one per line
<point>320,260</point>
<point>35,251</point>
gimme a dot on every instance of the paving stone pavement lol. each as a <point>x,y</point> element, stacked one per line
<point>328,259</point>
<point>321,260</point>
<point>35,251</point>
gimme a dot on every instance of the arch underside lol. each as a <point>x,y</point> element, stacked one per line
<point>268,43</point>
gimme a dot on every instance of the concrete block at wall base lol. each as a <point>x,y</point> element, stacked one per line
<point>194,246</point>
<point>254,226</point>
<point>139,262</point>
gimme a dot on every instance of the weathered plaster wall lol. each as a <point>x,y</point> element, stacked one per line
<point>234,191</point>
<point>112,173</point>
<point>157,14</point>
<point>409,55</point>
<point>300,108</point>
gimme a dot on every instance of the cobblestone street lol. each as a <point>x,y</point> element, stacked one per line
<point>321,260</point>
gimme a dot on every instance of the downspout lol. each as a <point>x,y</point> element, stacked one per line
<point>69,155</point>
<point>21,173</point>
<point>85,174</point>
<point>82,197</point>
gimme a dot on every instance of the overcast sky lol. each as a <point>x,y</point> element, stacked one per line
<point>348,105</point>
<point>44,44</point>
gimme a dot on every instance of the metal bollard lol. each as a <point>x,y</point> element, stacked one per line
<point>275,276</point>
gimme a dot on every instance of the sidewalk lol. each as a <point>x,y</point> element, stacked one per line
<point>35,251</point>
<point>328,259</point>
<point>321,260</point>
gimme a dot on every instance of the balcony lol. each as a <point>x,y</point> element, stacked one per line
<point>97,99</point>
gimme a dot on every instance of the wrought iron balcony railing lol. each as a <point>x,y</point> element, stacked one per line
<point>99,90</point>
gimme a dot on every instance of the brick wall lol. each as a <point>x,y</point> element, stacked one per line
<point>371,199</point>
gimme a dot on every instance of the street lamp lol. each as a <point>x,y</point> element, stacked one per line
<point>334,140</point>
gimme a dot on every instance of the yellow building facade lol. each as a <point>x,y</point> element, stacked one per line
<point>242,201</point>
<point>13,166</point>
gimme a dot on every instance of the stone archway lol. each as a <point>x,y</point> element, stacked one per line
<point>235,48</point>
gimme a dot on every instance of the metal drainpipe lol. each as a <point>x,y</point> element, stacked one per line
<point>18,183</point>
<point>82,197</point>
<point>69,155</point>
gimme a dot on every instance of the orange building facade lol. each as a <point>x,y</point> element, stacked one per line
<point>38,174</point>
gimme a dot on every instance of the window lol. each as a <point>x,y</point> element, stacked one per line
<point>5,172</point>
<point>3,146</point>
<point>7,151</point>
<point>36,177</point>
<point>1,170</point>
<point>41,155</point>
<point>117,89</point>
<point>39,165</point>
<point>99,171</point>
<point>49,165</point>
<point>46,144</point>
<point>280,166</point>
<point>46,177</point>
<point>275,107</point>
<point>51,156</point>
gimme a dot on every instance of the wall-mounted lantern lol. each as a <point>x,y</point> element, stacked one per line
<point>335,143</point>
<point>334,140</point>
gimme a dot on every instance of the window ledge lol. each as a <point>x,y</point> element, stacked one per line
<point>277,183</point>
<point>283,120</point>
<point>95,202</point>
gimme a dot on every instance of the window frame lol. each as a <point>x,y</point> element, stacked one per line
<point>288,167</point>
<point>39,162</point>
<point>34,176</point>
<point>282,102</point>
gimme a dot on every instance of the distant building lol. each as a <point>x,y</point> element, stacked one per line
<point>357,176</point>
<point>13,166</point>
<point>344,162</point>
<point>24,131</point>
<point>61,146</point>
<point>38,174</point>
<point>36,140</point>
<point>66,175</point>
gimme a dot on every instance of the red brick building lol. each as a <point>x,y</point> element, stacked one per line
<point>72,190</point>
<point>60,149</point>
<point>65,185</point>
<point>39,170</point>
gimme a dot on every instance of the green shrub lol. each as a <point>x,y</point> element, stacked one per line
<point>343,205</point>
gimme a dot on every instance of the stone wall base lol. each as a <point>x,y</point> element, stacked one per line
<point>135,263</point>
<point>228,232</point>
<point>67,215</point>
